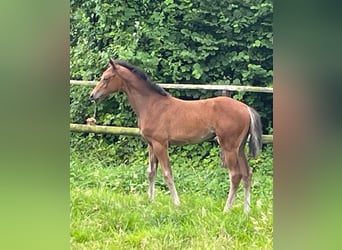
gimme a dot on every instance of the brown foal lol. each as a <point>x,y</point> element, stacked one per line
<point>164,120</point>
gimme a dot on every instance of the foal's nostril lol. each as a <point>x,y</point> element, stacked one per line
<point>91,97</point>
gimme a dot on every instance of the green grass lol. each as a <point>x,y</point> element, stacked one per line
<point>110,208</point>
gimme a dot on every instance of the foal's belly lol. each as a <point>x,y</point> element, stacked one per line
<point>182,140</point>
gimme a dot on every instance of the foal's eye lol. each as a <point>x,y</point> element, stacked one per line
<point>105,79</point>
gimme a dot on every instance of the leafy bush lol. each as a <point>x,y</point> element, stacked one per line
<point>175,41</point>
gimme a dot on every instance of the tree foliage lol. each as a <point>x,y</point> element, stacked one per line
<point>175,41</point>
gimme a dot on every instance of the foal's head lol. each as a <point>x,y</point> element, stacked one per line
<point>110,82</point>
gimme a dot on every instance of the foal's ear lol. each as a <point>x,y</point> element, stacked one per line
<point>111,62</point>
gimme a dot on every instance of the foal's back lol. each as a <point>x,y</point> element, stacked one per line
<point>184,121</point>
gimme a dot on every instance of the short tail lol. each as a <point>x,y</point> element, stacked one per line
<point>255,131</point>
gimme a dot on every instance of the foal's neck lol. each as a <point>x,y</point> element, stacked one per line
<point>140,96</point>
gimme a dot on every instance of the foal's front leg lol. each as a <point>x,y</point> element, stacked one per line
<point>160,151</point>
<point>151,171</point>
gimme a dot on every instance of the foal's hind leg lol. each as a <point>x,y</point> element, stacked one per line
<point>246,178</point>
<point>151,171</point>
<point>235,176</point>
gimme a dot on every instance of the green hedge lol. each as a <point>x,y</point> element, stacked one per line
<point>197,41</point>
<point>175,41</point>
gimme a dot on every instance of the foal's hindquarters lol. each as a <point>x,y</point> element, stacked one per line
<point>232,143</point>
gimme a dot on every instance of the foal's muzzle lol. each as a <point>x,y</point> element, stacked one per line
<point>93,96</point>
<point>96,98</point>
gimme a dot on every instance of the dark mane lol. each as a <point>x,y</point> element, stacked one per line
<point>142,75</point>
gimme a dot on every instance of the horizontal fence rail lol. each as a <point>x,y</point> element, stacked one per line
<point>266,139</point>
<point>104,129</point>
<point>194,86</point>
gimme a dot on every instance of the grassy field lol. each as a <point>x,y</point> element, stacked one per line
<point>110,208</point>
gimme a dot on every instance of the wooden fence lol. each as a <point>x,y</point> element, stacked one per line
<point>135,131</point>
<point>126,131</point>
